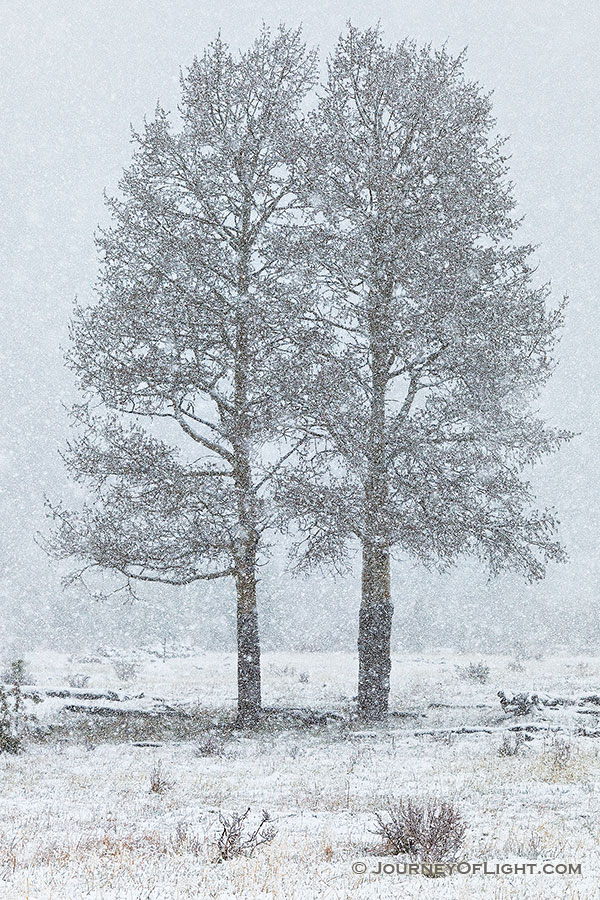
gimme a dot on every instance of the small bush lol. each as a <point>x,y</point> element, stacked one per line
<point>478,672</point>
<point>12,719</point>
<point>210,746</point>
<point>238,839</point>
<point>77,680</point>
<point>186,841</point>
<point>515,666</point>
<point>443,737</point>
<point>158,782</point>
<point>431,831</point>
<point>124,670</point>
<point>282,671</point>
<point>303,677</point>
<point>559,753</point>
<point>17,673</point>
<point>512,744</point>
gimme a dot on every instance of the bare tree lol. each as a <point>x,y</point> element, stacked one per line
<point>428,343</point>
<point>187,344</point>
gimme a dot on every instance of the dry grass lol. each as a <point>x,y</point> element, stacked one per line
<point>561,761</point>
<point>78,819</point>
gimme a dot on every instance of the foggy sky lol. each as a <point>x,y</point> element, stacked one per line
<point>74,75</point>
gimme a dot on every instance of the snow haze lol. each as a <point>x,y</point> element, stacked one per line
<point>74,76</point>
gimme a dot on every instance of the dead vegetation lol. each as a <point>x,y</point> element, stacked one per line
<point>238,838</point>
<point>477,672</point>
<point>159,782</point>
<point>512,744</point>
<point>426,830</point>
<point>13,719</point>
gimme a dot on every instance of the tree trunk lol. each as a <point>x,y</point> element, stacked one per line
<point>376,610</point>
<point>374,634</point>
<point>246,544</point>
<point>248,644</point>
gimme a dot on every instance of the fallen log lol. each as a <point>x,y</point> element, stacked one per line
<point>76,694</point>
<point>523,704</point>
<point>459,706</point>
<point>125,712</point>
<point>528,728</point>
<point>301,715</point>
<point>463,730</point>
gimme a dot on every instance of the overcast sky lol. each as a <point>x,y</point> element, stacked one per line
<point>75,73</point>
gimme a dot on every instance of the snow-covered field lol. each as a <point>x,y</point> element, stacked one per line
<point>78,817</point>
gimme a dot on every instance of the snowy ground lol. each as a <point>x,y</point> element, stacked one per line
<point>78,818</point>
